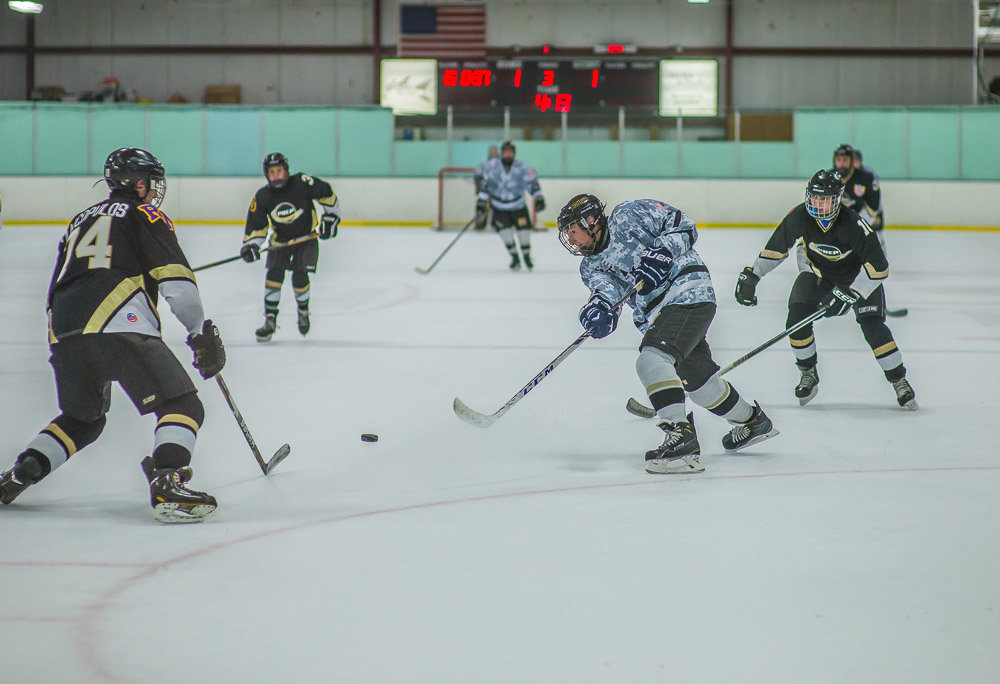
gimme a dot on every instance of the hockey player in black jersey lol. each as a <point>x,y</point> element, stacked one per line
<point>862,192</point>
<point>847,268</point>
<point>114,260</point>
<point>284,207</point>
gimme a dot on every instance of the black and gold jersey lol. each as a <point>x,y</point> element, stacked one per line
<point>112,261</point>
<point>289,210</point>
<point>836,254</point>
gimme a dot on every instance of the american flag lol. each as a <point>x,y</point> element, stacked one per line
<point>442,31</point>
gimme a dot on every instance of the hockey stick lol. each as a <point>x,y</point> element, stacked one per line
<point>425,271</point>
<point>897,313</point>
<point>279,455</point>
<point>637,408</point>
<point>484,421</point>
<point>276,245</point>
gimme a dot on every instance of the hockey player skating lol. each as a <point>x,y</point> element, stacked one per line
<point>505,180</point>
<point>847,270</point>
<point>862,192</point>
<point>651,241</point>
<point>285,208</point>
<point>114,260</point>
<point>492,153</point>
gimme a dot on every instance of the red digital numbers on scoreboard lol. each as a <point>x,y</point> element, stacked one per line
<point>466,78</point>
<point>560,103</point>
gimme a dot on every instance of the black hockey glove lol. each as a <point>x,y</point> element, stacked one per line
<point>250,252</point>
<point>328,226</point>
<point>598,317</point>
<point>539,203</point>
<point>746,287</point>
<point>653,268</point>
<point>838,301</point>
<point>209,354</point>
<point>482,207</point>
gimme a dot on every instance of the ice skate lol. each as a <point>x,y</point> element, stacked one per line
<point>808,385</point>
<point>303,321</point>
<point>515,262</point>
<point>527,261</point>
<point>266,331</point>
<point>185,473</point>
<point>755,430</point>
<point>905,395</point>
<point>10,487</point>
<point>679,452</point>
<point>174,503</point>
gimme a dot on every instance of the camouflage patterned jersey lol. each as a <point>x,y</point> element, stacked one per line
<point>632,227</point>
<point>505,189</point>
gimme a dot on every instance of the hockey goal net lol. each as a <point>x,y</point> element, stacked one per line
<point>456,201</point>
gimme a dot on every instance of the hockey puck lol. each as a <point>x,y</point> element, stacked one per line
<point>369,437</point>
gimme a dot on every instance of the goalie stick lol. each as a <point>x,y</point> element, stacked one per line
<point>482,420</point>
<point>279,455</point>
<point>639,409</point>
<point>425,271</point>
<point>276,245</point>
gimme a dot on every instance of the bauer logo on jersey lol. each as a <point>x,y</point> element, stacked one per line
<point>286,212</point>
<point>829,251</point>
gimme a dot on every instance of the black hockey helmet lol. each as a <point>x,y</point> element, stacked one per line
<point>276,159</point>
<point>126,165</point>
<point>587,213</point>
<point>843,150</point>
<point>823,194</point>
<point>508,145</point>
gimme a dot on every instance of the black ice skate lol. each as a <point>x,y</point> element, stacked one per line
<point>185,473</point>
<point>266,331</point>
<point>174,503</point>
<point>808,385</point>
<point>905,395</point>
<point>679,452</point>
<point>10,487</point>
<point>527,261</point>
<point>515,262</point>
<point>755,430</point>
<point>303,321</point>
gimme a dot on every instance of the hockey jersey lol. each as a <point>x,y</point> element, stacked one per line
<point>114,260</point>
<point>847,249</point>
<point>634,226</point>
<point>505,189</point>
<point>289,210</point>
<point>862,193</point>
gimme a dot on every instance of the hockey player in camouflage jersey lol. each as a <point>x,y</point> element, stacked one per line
<point>285,208</point>
<point>650,241</point>
<point>504,182</point>
<point>847,269</point>
<point>114,261</point>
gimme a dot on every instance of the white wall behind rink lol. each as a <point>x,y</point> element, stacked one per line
<point>413,201</point>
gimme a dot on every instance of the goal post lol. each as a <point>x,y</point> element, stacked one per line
<point>456,201</point>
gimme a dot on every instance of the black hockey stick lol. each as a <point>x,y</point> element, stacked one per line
<point>425,271</point>
<point>279,455</point>
<point>482,420</point>
<point>897,313</point>
<point>276,245</point>
<point>637,408</point>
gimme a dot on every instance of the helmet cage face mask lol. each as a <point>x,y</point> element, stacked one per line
<point>823,195</point>
<point>586,214</point>
<point>126,166</point>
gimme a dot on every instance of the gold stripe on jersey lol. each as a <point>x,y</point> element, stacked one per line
<point>256,234</point>
<point>172,272</point>
<point>328,201</point>
<point>114,301</point>
<point>666,384</point>
<point>885,349</point>
<point>178,419</point>
<point>876,275</point>
<point>291,218</point>
<point>61,437</point>
<point>771,254</point>
<point>802,343</point>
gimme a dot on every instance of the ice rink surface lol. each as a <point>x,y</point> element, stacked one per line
<point>861,545</point>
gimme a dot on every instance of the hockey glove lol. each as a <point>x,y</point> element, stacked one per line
<point>482,207</point>
<point>653,269</point>
<point>598,317</point>
<point>250,252</point>
<point>328,226</point>
<point>209,354</point>
<point>838,301</point>
<point>746,287</point>
<point>539,203</point>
